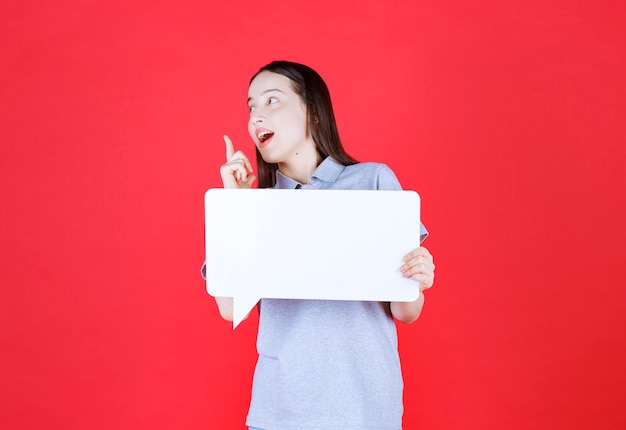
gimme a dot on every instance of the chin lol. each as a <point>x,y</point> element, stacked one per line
<point>269,159</point>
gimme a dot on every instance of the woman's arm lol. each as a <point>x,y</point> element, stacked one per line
<point>225,306</point>
<point>408,312</point>
<point>419,266</point>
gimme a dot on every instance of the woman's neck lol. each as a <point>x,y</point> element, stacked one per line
<point>301,165</point>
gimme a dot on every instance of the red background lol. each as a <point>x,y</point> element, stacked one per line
<point>507,116</point>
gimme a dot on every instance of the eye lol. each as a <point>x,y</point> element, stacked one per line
<point>272,100</point>
<point>250,108</point>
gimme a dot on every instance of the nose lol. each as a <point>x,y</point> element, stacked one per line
<point>257,116</point>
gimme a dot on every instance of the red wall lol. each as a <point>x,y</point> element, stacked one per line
<point>507,117</point>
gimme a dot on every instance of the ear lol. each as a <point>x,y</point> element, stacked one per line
<point>313,114</point>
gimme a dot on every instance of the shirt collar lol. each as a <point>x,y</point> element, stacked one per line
<point>328,171</point>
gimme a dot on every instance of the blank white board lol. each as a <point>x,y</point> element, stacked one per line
<point>309,244</point>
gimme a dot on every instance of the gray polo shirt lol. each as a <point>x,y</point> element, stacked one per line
<point>329,365</point>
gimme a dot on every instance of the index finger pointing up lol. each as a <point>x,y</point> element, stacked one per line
<point>230,149</point>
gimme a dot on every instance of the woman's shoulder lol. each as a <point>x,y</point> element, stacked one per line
<point>379,174</point>
<point>369,166</point>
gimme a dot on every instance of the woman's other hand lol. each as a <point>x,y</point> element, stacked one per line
<point>419,266</point>
<point>237,171</point>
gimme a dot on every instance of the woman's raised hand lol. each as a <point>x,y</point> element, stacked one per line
<point>237,171</point>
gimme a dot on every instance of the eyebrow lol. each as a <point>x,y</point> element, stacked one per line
<point>268,91</point>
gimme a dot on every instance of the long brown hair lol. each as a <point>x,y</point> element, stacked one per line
<point>312,89</point>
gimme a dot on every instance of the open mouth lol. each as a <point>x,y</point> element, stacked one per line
<point>264,137</point>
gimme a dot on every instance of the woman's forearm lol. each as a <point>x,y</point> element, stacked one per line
<point>408,312</point>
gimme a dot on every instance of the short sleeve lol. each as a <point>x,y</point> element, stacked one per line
<point>423,233</point>
<point>387,180</point>
<point>203,271</point>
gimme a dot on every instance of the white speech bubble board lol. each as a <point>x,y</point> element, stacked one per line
<point>309,244</point>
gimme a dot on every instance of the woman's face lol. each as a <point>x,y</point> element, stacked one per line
<point>278,119</point>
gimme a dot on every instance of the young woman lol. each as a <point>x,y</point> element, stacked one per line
<point>322,364</point>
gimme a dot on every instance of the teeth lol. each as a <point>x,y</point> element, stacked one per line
<point>264,135</point>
